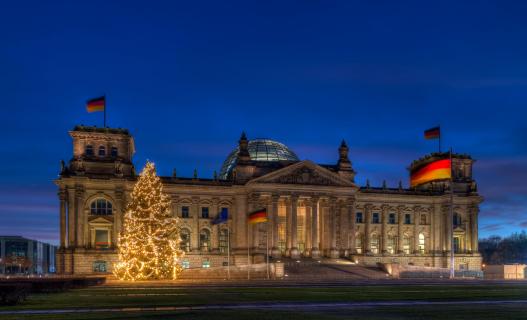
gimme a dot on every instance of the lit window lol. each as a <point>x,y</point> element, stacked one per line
<point>224,238</point>
<point>99,266</point>
<point>185,264</point>
<point>204,240</point>
<point>102,239</point>
<point>184,236</point>
<point>407,219</point>
<point>374,244</point>
<point>102,151</point>
<point>390,245</point>
<point>375,218</point>
<point>358,218</point>
<point>89,150</point>
<point>406,244</point>
<point>205,263</point>
<point>114,152</point>
<point>421,243</point>
<point>391,218</point>
<point>101,207</point>
<point>185,212</point>
<point>205,212</point>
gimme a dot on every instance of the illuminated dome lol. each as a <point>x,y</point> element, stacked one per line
<point>260,150</point>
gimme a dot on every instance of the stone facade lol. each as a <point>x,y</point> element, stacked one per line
<point>314,210</point>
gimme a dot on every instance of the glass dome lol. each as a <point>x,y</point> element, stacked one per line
<point>260,150</point>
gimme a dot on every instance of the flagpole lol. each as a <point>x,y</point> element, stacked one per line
<point>105,106</point>
<point>452,270</point>
<point>439,139</point>
<point>228,252</point>
<point>248,254</point>
<point>267,248</point>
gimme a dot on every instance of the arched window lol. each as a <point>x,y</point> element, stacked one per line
<point>101,207</point>
<point>421,243</point>
<point>102,151</point>
<point>224,238</point>
<point>406,244</point>
<point>358,243</point>
<point>184,235</point>
<point>204,240</point>
<point>390,244</point>
<point>114,152</point>
<point>374,244</point>
<point>89,150</point>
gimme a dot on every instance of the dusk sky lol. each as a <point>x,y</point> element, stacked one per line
<point>186,78</point>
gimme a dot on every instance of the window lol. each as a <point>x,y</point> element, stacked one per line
<point>456,220</point>
<point>185,212</point>
<point>99,266</point>
<point>407,219</point>
<point>457,245</point>
<point>102,151</point>
<point>102,239</point>
<point>406,244</point>
<point>185,264</point>
<point>421,243</point>
<point>101,207</point>
<point>224,238</point>
<point>390,244</point>
<point>375,218</point>
<point>114,152</point>
<point>204,240</point>
<point>423,219</point>
<point>205,212</point>
<point>89,150</point>
<point>374,244</point>
<point>184,236</point>
<point>358,243</point>
<point>358,219</point>
<point>205,263</point>
<point>391,218</point>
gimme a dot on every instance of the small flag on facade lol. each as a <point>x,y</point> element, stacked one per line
<point>258,216</point>
<point>437,170</point>
<point>433,133</point>
<point>97,104</point>
<point>222,217</point>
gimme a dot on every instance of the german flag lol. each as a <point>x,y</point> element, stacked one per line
<point>437,170</point>
<point>258,216</point>
<point>97,104</point>
<point>433,133</point>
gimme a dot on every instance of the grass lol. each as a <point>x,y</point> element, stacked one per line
<point>129,296</point>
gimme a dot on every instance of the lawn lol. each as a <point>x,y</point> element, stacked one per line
<point>140,296</point>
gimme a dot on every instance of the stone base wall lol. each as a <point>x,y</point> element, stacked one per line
<point>462,261</point>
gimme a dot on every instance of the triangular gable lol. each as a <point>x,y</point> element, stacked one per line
<point>306,173</point>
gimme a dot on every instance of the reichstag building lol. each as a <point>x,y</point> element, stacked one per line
<point>314,210</point>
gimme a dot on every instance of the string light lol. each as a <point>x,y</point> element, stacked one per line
<point>149,242</point>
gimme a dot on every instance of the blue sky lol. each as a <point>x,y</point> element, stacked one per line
<point>187,77</point>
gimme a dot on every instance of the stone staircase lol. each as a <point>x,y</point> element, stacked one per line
<point>329,269</point>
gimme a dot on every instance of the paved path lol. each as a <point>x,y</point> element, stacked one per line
<point>273,306</point>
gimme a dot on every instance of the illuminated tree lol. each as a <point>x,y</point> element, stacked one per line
<point>149,241</point>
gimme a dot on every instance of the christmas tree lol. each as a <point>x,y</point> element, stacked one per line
<point>149,240</point>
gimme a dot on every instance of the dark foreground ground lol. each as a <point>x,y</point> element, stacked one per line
<point>358,300</point>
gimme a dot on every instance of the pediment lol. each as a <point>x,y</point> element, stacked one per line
<point>304,173</point>
<point>100,220</point>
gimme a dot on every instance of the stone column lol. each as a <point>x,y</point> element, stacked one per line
<point>275,251</point>
<point>400,220</point>
<point>215,212</point>
<point>240,224</point>
<point>71,218</point>
<point>448,229</point>
<point>118,215</point>
<point>384,228</point>
<point>474,221</point>
<point>79,216</point>
<point>295,254</point>
<point>353,220</point>
<point>333,251</point>
<point>315,252</point>
<point>194,240</point>
<point>367,213</point>
<point>344,229</point>
<point>62,198</point>
<point>417,216</point>
<point>307,229</point>
<point>288,227</point>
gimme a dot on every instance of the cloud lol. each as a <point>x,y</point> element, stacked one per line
<point>523,224</point>
<point>491,227</point>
